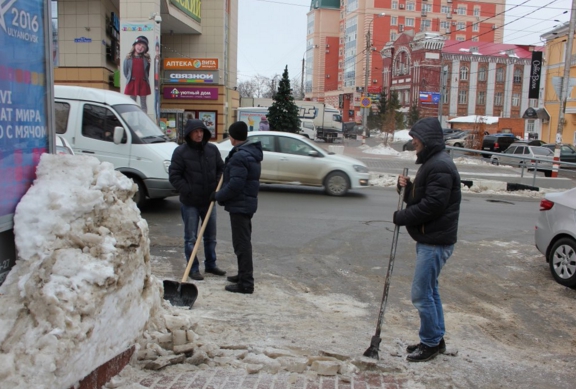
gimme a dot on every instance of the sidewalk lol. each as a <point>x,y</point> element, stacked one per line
<point>239,379</point>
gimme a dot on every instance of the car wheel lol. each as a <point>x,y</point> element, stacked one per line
<point>336,184</point>
<point>457,145</point>
<point>562,260</point>
<point>495,162</point>
<point>140,195</point>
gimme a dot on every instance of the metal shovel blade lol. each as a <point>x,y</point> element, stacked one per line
<point>180,294</point>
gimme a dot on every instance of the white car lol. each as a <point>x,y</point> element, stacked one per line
<point>294,159</point>
<point>555,235</point>
<point>62,146</point>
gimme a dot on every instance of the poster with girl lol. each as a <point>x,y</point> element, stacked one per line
<point>139,48</point>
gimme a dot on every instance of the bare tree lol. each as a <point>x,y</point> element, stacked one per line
<point>266,87</point>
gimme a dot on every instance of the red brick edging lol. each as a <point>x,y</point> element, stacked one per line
<point>103,373</point>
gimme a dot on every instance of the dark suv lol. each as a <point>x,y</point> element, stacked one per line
<point>497,143</point>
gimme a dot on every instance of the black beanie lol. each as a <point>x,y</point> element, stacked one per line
<point>238,130</point>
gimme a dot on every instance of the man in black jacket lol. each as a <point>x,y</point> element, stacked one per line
<point>239,195</point>
<point>195,170</point>
<point>431,218</point>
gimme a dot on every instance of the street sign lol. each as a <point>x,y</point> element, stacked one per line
<point>365,102</point>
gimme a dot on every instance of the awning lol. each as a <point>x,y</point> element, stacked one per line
<point>537,113</point>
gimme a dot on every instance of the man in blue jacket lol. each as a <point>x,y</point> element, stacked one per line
<point>431,218</point>
<point>239,196</point>
<point>195,171</point>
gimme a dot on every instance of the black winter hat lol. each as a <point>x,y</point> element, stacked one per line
<point>141,39</point>
<point>238,130</point>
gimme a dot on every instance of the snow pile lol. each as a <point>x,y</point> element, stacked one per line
<point>81,291</point>
<point>379,149</point>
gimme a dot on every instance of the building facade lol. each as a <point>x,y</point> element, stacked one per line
<point>202,37</point>
<point>366,26</point>
<point>448,78</point>
<point>555,54</point>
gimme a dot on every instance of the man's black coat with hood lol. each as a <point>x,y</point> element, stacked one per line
<point>196,167</point>
<point>433,199</point>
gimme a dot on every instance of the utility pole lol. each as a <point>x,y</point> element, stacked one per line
<point>443,78</point>
<point>302,82</point>
<point>365,91</point>
<point>564,89</point>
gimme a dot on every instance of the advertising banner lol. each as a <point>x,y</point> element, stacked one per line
<point>191,64</point>
<point>190,93</point>
<point>429,97</point>
<point>140,63</point>
<point>535,69</point>
<point>190,76</point>
<point>24,97</point>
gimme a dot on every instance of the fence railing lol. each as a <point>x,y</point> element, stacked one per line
<point>546,163</point>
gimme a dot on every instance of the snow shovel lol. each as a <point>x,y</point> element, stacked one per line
<point>372,351</point>
<point>184,294</point>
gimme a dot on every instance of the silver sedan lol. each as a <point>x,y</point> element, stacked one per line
<point>294,159</point>
<point>555,235</point>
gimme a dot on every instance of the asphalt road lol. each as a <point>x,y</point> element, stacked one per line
<point>503,309</point>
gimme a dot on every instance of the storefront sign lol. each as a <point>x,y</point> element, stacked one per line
<point>191,64</point>
<point>187,76</point>
<point>535,68</point>
<point>190,8</point>
<point>191,93</point>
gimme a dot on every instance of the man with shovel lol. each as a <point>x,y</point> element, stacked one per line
<point>194,171</point>
<point>431,219</point>
<point>239,196</point>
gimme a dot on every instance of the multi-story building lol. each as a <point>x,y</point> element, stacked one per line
<point>449,78</point>
<point>555,54</point>
<point>90,35</point>
<point>365,26</point>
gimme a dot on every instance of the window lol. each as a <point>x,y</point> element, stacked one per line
<point>410,22</point>
<point>481,98</point>
<point>476,27</point>
<point>267,142</point>
<point>293,146</point>
<point>407,96</point>
<point>500,75</point>
<point>444,24</point>
<point>425,24</point>
<point>517,76</point>
<point>461,10</point>
<point>498,99</point>
<point>461,26</point>
<point>352,5</point>
<point>61,114</point>
<point>427,7</point>
<point>475,39</point>
<point>98,122</point>
<point>462,96</point>
<point>482,73</point>
<point>444,9</point>
<point>461,38</point>
<point>516,99</point>
<point>393,21</point>
<point>464,73</point>
<point>530,125</point>
<point>410,6</point>
<point>54,17</point>
<point>477,11</point>
<point>394,5</point>
<point>393,35</point>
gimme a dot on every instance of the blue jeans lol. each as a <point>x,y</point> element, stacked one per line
<point>191,217</point>
<point>425,293</point>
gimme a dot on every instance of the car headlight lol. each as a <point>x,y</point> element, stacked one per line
<point>360,168</point>
<point>166,165</point>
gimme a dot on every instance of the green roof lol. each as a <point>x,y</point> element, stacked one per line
<point>332,4</point>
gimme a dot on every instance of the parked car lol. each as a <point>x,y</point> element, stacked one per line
<point>62,146</point>
<point>567,151</point>
<point>497,143</point>
<point>530,152</point>
<point>459,140</point>
<point>452,133</point>
<point>295,160</point>
<point>555,235</point>
<point>354,132</point>
<point>532,142</point>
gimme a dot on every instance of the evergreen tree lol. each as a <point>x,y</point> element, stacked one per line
<point>393,120</point>
<point>413,114</point>
<point>283,114</point>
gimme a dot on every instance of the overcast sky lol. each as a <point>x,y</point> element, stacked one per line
<point>272,33</point>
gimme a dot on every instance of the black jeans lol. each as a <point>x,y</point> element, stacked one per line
<point>241,241</point>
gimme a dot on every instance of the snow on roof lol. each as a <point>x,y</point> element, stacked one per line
<point>475,119</point>
<point>489,49</point>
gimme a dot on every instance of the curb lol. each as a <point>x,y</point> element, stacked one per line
<point>498,185</point>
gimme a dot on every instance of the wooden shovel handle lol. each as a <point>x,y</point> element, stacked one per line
<point>201,234</point>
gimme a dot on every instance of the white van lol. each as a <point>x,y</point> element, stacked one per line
<point>111,127</point>
<point>307,128</point>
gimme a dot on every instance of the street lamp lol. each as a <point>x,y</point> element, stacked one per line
<point>366,73</point>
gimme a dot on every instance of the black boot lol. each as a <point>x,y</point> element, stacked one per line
<point>237,288</point>
<point>412,347</point>
<point>233,279</point>
<point>423,353</point>
<point>216,271</point>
